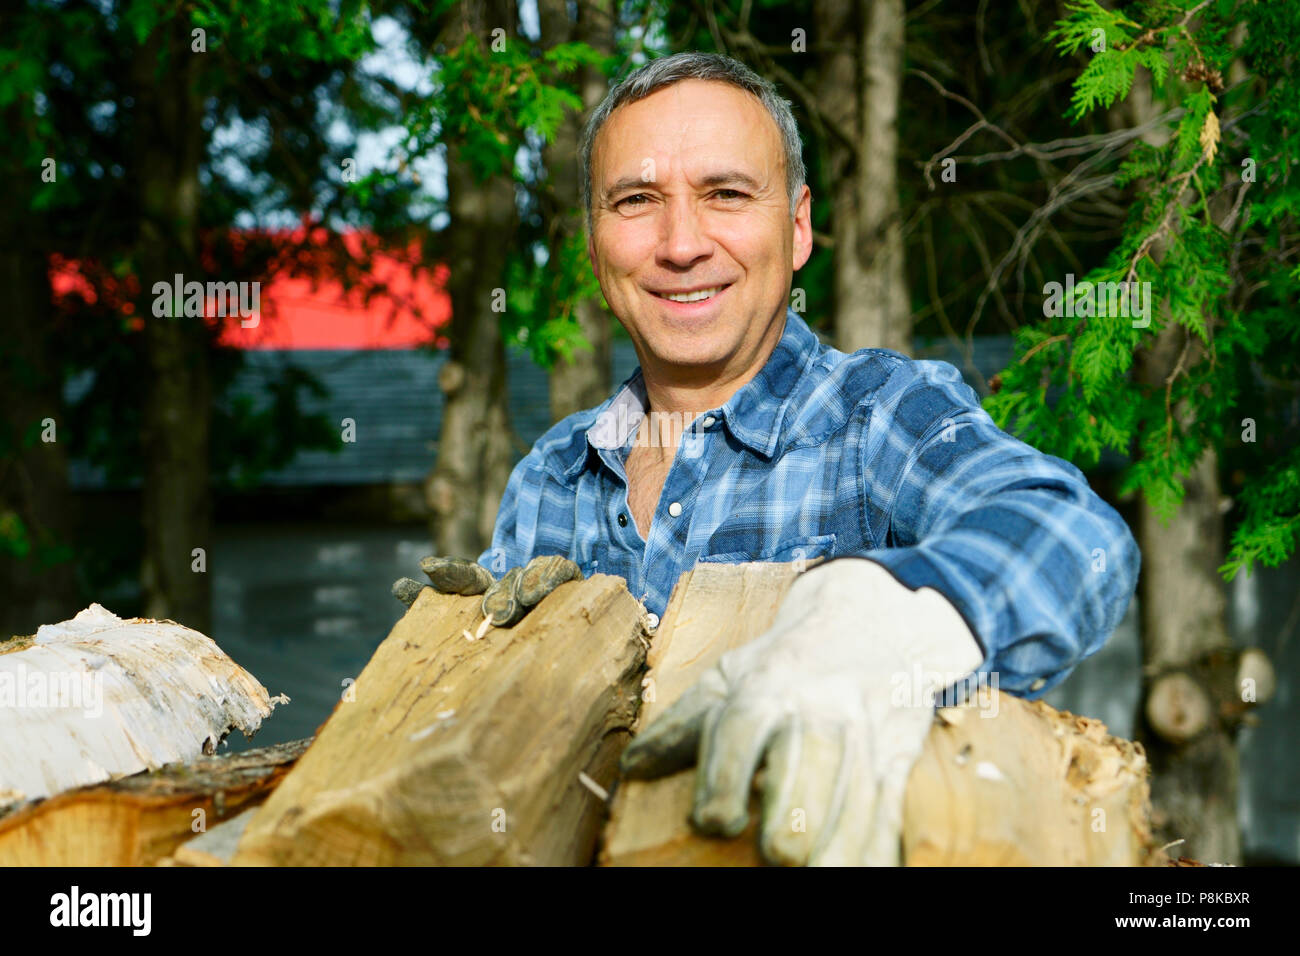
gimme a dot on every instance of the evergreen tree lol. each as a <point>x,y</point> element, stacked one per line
<point>1201,381</point>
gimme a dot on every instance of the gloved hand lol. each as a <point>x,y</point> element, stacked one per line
<point>818,695</point>
<point>505,602</point>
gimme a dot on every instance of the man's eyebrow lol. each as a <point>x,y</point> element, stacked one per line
<point>730,177</point>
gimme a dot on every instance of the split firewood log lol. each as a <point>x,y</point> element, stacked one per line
<point>141,819</point>
<point>1001,781</point>
<point>464,751</point>
<point>214,847</point>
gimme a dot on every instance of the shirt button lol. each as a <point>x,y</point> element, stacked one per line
<point>622,520</point>
<point>675,508</point>
<point>652,621</point>
<point>709,420</point>
<point>1038,684</point>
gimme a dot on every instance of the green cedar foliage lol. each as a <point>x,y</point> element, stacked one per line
<point>1228,280</point>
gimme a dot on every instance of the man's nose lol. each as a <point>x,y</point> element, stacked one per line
<point>684,240</point>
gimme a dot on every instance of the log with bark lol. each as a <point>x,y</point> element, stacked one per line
<point>467,751</point>
<point>98,697</point>
<point>139,820</point>
<point>1001,781</point>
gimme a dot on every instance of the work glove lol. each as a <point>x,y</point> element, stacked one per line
<point>838,695</point>
<point>505,602</point>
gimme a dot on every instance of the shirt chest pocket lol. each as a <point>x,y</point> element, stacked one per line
<point>791,549</point>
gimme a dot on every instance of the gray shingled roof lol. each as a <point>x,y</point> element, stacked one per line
<point>393,397</point>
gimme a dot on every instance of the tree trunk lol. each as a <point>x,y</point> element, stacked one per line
<point>176,420</point>
<point>33,471</point>
<point>584,382</point>
<point>1184,632</point>
<point>859,89</point>
<point>475,446</point>
<point>1185,638</point>
<point>37,587</point>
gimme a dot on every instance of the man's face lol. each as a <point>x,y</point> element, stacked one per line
<point>688,196</point>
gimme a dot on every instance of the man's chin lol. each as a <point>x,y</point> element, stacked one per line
<point>689,364</point>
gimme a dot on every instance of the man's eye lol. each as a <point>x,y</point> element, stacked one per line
<point>630,198</point>
<point>730,194</point>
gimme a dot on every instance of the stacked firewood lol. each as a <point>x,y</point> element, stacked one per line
<point>503,749</point>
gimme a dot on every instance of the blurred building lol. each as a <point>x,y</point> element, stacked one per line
<point>378,354</point>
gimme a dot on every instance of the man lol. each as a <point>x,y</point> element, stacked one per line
<point>954,549</point>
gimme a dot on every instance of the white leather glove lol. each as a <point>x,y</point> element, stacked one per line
<point>828,695</point>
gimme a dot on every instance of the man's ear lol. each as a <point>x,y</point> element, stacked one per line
<point>803,241</point>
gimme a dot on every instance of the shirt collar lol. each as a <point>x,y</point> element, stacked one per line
<point>755,414</point>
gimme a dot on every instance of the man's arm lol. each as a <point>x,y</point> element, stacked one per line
<point>1041,568</point>
<point>504,551</point>
<point>989,553</point>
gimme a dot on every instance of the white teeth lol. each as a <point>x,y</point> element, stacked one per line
<point>694,296</point>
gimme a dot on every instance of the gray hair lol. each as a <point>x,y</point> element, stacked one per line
<point>664,72</point>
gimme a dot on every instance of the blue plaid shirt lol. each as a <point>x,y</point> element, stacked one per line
<point>824,454</point>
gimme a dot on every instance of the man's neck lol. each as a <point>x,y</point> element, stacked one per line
<point>675,395</point>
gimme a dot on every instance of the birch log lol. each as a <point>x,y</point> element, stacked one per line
<point>97,697</point>
<point>141,819</point>
<point>1000,782</point>
<point>468,752</point>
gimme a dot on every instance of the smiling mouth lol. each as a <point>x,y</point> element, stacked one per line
<point>699,295</point>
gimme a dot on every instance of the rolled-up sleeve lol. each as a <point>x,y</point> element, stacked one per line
<point>1041,568</point>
